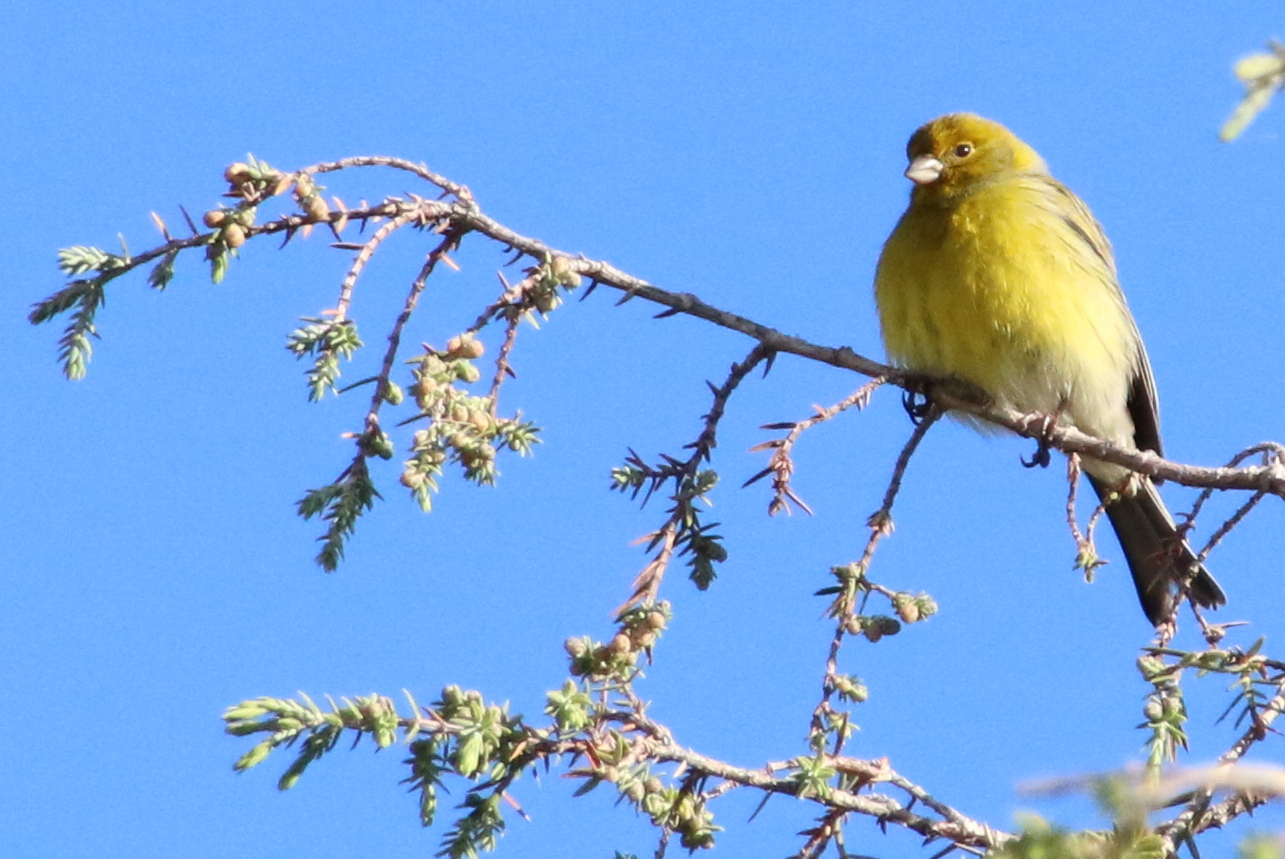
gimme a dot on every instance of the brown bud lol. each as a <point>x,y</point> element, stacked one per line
<point>237,173</point>
<point>465,346</point>
<point>906,607</point>
<point>422,391</point>
<point>317,208</point>
<point>642,638</point>
<point>234,235</point>
<point>214,217</point>
<point>620,645</point>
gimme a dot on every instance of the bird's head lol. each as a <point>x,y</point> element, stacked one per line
<point>955,153</point>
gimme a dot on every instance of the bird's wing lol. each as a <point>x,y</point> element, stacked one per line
<point>1143,404</point>
<point>1144,407</point>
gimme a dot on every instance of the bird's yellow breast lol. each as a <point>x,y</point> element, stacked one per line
<point>1000,290</point>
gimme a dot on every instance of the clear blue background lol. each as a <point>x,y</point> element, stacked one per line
<point>155,573</point>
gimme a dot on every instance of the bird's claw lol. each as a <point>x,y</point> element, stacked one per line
<point>917,405</point>
<point>1042,456</point>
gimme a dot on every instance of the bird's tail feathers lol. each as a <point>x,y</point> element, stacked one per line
<point>1158,558</point>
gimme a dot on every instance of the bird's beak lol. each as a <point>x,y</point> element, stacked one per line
<point>924,169</point>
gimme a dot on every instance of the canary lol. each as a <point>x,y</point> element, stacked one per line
<point>999,276</point>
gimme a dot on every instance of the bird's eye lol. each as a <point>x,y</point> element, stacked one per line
<point>963,150</point>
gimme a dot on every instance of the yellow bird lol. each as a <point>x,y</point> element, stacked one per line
<point>998,275</point>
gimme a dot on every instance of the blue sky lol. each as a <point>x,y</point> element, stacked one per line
<point>747,152</point>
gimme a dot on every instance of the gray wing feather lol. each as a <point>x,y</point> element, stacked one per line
<point>1143,404</point>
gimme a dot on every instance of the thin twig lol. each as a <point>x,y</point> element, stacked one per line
<point>1197,816</point>
<point>364,256</point>
<point>464,214</point>
<point>646,586</point>
<point>1272,454</point>
<point>820,835</point>
<point>502,367</point>
<point>961,829</point>
<point>419,170</point>
<point>881,521</point>
<point>449,241</point>
<point>1086,549</point>
<point>781,465</point>
<point>1227,526</point>
<point>880,524</point>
